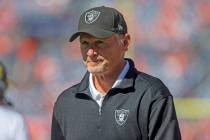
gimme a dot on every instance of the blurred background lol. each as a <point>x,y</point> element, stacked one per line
<point>170,40</point>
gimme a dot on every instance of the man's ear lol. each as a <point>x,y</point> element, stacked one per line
<point>125,41</point>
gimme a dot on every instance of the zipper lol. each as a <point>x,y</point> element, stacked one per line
<point>100,106</point>
<point>99,110</point>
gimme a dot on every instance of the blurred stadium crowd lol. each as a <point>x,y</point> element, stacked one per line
<point>170,40</point>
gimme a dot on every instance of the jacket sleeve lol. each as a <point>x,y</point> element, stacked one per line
<point>163,123</point>
<point>56,133</point>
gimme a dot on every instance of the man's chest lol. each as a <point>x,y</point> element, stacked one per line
<point>115,119</point>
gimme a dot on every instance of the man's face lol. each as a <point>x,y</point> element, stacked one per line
<point>102,55</point>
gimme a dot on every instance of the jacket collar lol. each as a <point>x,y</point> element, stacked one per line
<point>127,82</point>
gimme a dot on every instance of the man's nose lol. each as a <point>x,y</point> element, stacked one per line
<point>91,51</point>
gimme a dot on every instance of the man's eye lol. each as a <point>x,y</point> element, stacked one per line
<point>100,43</point>
<point>84,42</point>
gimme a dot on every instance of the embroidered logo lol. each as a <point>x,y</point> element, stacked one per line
<point>121,116</point>
<point>91,16</point>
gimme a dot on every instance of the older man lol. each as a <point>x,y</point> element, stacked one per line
<point>114,101</point>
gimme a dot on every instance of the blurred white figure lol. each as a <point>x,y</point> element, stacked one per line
<point>12,123</point>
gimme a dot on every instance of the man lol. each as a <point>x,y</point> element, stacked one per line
<point>12,125</point>
<point>113,101</point>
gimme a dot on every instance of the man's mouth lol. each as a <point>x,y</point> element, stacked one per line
<point>94,62</point>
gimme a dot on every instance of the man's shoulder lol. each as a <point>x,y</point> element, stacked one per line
<point>144,79</point>
<point>152,85</point>
<point>66,100</point>
<point>69,92</point>
<point>67,97</point>
<point>148,79</point>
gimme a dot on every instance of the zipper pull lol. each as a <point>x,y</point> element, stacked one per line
<point>99,110</point>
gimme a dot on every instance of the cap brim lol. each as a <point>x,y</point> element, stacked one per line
<point>98,33</point>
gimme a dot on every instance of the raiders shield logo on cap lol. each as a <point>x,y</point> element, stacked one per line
<point>91,16</point>
<point>121,116</point>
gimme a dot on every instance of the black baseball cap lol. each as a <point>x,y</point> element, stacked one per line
<point>101,22</point>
